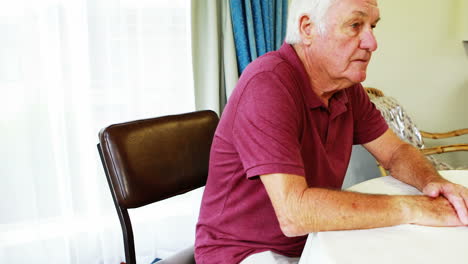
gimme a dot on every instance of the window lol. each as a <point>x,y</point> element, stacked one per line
<point>67,69</point>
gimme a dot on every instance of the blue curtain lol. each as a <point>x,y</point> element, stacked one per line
<point>259,26</point>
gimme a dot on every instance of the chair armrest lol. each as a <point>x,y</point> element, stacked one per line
<point>431,151</point>
<point>444,149</point>
<point>453,133</point>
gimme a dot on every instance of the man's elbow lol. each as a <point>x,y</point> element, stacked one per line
<point>399,154</point>
<point>291,228</point>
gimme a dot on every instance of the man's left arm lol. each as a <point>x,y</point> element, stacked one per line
<point>409,165</point>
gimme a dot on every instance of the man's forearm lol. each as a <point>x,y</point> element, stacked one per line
<point>327,210</point>
<point>301,210</point>
<point>409,165</point>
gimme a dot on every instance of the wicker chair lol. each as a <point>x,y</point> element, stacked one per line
<point>399,121</point>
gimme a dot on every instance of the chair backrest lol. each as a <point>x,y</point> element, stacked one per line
<point>396,117</point>
<point>153,159</point>
<point>401,123</point>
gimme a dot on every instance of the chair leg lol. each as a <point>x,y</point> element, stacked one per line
<point>382,170</point>
<point>124,218</point>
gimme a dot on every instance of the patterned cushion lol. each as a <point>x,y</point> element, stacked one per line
<point>400,122</point>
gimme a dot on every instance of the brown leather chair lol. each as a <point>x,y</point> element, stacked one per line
<point>149,160</point>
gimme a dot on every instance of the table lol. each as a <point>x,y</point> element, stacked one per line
<point>398,244</point>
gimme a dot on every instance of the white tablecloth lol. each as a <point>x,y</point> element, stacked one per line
<point>399,244</point>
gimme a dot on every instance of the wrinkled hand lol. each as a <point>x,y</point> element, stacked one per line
<point>456,194</point>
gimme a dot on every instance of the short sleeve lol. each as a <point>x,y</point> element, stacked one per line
<point>267,128</point>
<point>368,121</point>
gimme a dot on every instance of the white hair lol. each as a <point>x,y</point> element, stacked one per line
<point>315,9</point>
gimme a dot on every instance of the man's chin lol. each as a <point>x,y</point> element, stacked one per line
<point>359,77</point>
<point>354,78</point>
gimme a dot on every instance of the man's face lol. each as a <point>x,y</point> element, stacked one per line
<point>344,49</point>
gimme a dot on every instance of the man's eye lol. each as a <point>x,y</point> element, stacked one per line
<point>373,26</point>
<point>355,25</point>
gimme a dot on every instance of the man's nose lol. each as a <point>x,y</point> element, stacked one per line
<point>368,41</point>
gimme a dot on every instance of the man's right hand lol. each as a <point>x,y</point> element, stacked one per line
<point>428,211</point>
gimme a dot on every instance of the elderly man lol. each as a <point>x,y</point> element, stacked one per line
<point>284,141</point>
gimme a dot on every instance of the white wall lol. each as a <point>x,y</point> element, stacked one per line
<point>421,61</point>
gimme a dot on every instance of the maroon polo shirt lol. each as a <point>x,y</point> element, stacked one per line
<point>275,123</point>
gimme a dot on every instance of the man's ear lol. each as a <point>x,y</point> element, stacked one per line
<point>306,29</point>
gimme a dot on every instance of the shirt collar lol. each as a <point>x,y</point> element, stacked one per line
<point>312,100</point>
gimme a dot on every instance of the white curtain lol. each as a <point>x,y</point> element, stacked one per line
<point>67,69</point>
<point>214,54</point>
